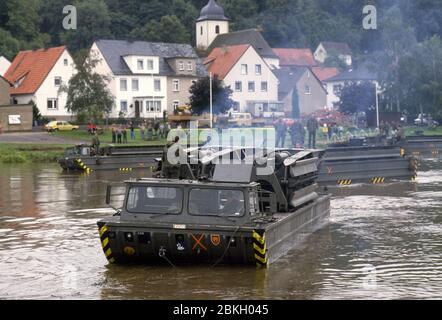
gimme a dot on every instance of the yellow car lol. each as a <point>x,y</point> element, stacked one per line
<point>60,126</point>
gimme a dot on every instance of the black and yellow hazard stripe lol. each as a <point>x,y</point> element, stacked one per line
<point>126,169</point>
<point>378,180</point>
<point>104,237</point>
<point>345,182</point>
<point>260,248</point>
<point>81,164</point>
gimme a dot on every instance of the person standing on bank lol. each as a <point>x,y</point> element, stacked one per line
<point>132,131</point>
<point>281,130</point>
<point>114,134</point>
<point>312,127</point>
<point>124,131</point>
<point>96,143</point>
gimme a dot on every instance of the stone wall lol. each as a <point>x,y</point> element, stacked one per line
<point>9,113</point>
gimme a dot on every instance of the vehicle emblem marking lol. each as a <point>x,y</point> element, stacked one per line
<point>215,239</point>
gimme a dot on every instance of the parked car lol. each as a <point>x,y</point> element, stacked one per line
<point>60,126</point>
<point>425,120</point>
<point>240,119</point>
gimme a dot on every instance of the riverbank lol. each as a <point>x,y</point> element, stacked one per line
<point>43,147</point>
<point>30,153</point>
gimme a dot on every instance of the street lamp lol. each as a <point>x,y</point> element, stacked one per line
<point>211,101</point>
<point>377,103</point>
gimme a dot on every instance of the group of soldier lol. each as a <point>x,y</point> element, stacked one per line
<point>297,133</point>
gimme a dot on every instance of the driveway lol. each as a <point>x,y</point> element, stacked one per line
<point>35,137</point>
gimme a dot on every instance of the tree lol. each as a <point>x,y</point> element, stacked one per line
<point>357,97</point>
<point>23,18</point>
<point>9,46</point>
<point>168,29</point>
<point>93,23</point>
<point>87,91</point>
<point>296,113</point>
<point>200,96</point>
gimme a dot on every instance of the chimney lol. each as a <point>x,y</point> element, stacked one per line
<point>224,50</point>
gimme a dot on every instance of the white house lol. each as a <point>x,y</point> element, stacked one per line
<point>254,85</point>
<point>4,65</point>
<point>335,84</point>
<point>340,49</point>
<point>142,75</point>
<point>37,75</point>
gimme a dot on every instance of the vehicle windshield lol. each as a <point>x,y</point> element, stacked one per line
<point>216,202</point>
<point>154,199</point>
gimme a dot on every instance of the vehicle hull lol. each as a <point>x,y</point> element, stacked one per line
<point>259,243</point>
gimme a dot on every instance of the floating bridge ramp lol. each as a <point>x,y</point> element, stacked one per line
<point>344,166</point>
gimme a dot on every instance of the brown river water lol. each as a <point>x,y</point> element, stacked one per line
<point>383,242</point>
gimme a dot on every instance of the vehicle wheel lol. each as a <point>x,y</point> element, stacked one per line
<point>56,129</point>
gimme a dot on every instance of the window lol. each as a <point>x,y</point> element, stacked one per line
<point>149,64</point>
<point>176,104</point>
<point>258,69</point>
<point>251,86</point>
<point>181,65</point>
<point>52,104</point>
<point>65,62</point>
<point>307,90</point>
<point>153,106</point>
<point>217,29</point>
<point>236,106</point>
<point>155,200</point>
<point>238,86</point>
<point>264,86</point>
<point>57,81</point>
<point>123,105</point>
<point>201,30</point>
<point>244,70</point>
<point>215,202</point>
<point>134,84</point>
<point>337,89</point>
<point>123,85</point>
<point>189,66</point>
<point>157,85</point>
<point>140,64</point>
<point>176,85</point>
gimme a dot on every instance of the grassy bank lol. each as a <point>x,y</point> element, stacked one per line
<point>30,153</point>
<point>410,131</point>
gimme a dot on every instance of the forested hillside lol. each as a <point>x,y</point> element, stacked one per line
<point>28,24</point>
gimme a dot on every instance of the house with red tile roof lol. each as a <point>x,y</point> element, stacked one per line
<point>295,57</point>
<point>253,82</point>
<point>324,73</point>
<point>36,75</point>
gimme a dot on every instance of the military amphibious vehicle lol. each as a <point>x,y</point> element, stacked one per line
<point>83,157</point>
<point>245,212</point>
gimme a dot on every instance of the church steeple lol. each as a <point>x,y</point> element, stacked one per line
<point>210,23</point>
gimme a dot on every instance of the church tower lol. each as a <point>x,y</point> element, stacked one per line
<point>210,23</point>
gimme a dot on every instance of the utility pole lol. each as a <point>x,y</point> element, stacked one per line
<point>377,104</point>
<point>211,101</point>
